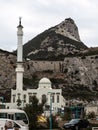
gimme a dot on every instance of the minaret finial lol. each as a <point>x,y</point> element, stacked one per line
<point>20,23</point>
<point>20,20</point>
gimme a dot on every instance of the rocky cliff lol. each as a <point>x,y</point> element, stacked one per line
<point>55,43</point>
<point>77,76</point>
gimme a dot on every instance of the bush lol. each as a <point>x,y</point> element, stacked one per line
<point>33,110</point>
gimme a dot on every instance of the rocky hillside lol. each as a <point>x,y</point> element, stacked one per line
<point>55,43</point>
<point>59,55</point>
<point>77,76</point>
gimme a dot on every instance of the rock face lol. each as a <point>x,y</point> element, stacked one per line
<point>69,29</point>
<point>77,76</point>
<point>7,70</point>
<point>82,71</point>
<point>55,43</point>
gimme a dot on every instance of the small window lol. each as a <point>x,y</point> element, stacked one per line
<point>18,95</point>
<point>58,99</point>
<point>34,94</point>
<point>44,99</point>
<point>13,98</point>
<point>53,98</point>
<point>30,99</point>
<point>24,98</point>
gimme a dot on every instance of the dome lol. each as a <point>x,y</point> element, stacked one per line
<point>45,83</point>
<point>45,80</point>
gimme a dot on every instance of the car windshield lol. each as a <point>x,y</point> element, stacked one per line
<point>21,116</point>
<point>74,121</point>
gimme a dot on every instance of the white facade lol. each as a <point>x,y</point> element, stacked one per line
<point>43,91</point>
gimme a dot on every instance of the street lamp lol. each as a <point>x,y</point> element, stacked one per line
<point>50,110</point>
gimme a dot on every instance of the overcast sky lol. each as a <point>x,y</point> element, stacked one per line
<point>39,15</point>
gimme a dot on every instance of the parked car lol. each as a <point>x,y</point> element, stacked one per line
<point>76,124</point>
<point>11,124</point>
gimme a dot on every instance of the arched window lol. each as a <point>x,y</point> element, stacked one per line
<point>44,99</point>
<point>13,98</point>
<point>58,98</point>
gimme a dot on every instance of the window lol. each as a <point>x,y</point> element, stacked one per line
<point>34,94</point>
<point>30,98</point>
<point>13,98</point>
<point>18,95</point>
<point>44,98</point>
<point>53,98</point>
<point>20,116</point>
<point>24,98</point>
<point>58,99</point>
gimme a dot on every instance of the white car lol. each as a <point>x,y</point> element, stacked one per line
<point>12,125</point>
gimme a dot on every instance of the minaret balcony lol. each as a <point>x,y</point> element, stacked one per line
<point>19,69</point>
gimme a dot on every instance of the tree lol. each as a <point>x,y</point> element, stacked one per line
<point>68,114</point>
<point>33,110</point>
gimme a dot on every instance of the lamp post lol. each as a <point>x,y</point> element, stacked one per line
<point>50,110</point>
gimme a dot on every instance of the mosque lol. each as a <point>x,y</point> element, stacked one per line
<point>44,90</point>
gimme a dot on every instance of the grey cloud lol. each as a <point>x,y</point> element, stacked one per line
<point>40,15</point>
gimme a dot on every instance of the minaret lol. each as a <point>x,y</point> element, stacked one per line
<point>19,69</point>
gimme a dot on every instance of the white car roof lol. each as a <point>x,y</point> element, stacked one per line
<point>11,110</point>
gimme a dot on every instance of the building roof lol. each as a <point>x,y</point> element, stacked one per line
<point>44,83</point>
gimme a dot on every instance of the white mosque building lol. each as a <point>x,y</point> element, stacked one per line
<point>44,90</point>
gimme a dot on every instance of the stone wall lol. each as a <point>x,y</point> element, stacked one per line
<point>54,66</point>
